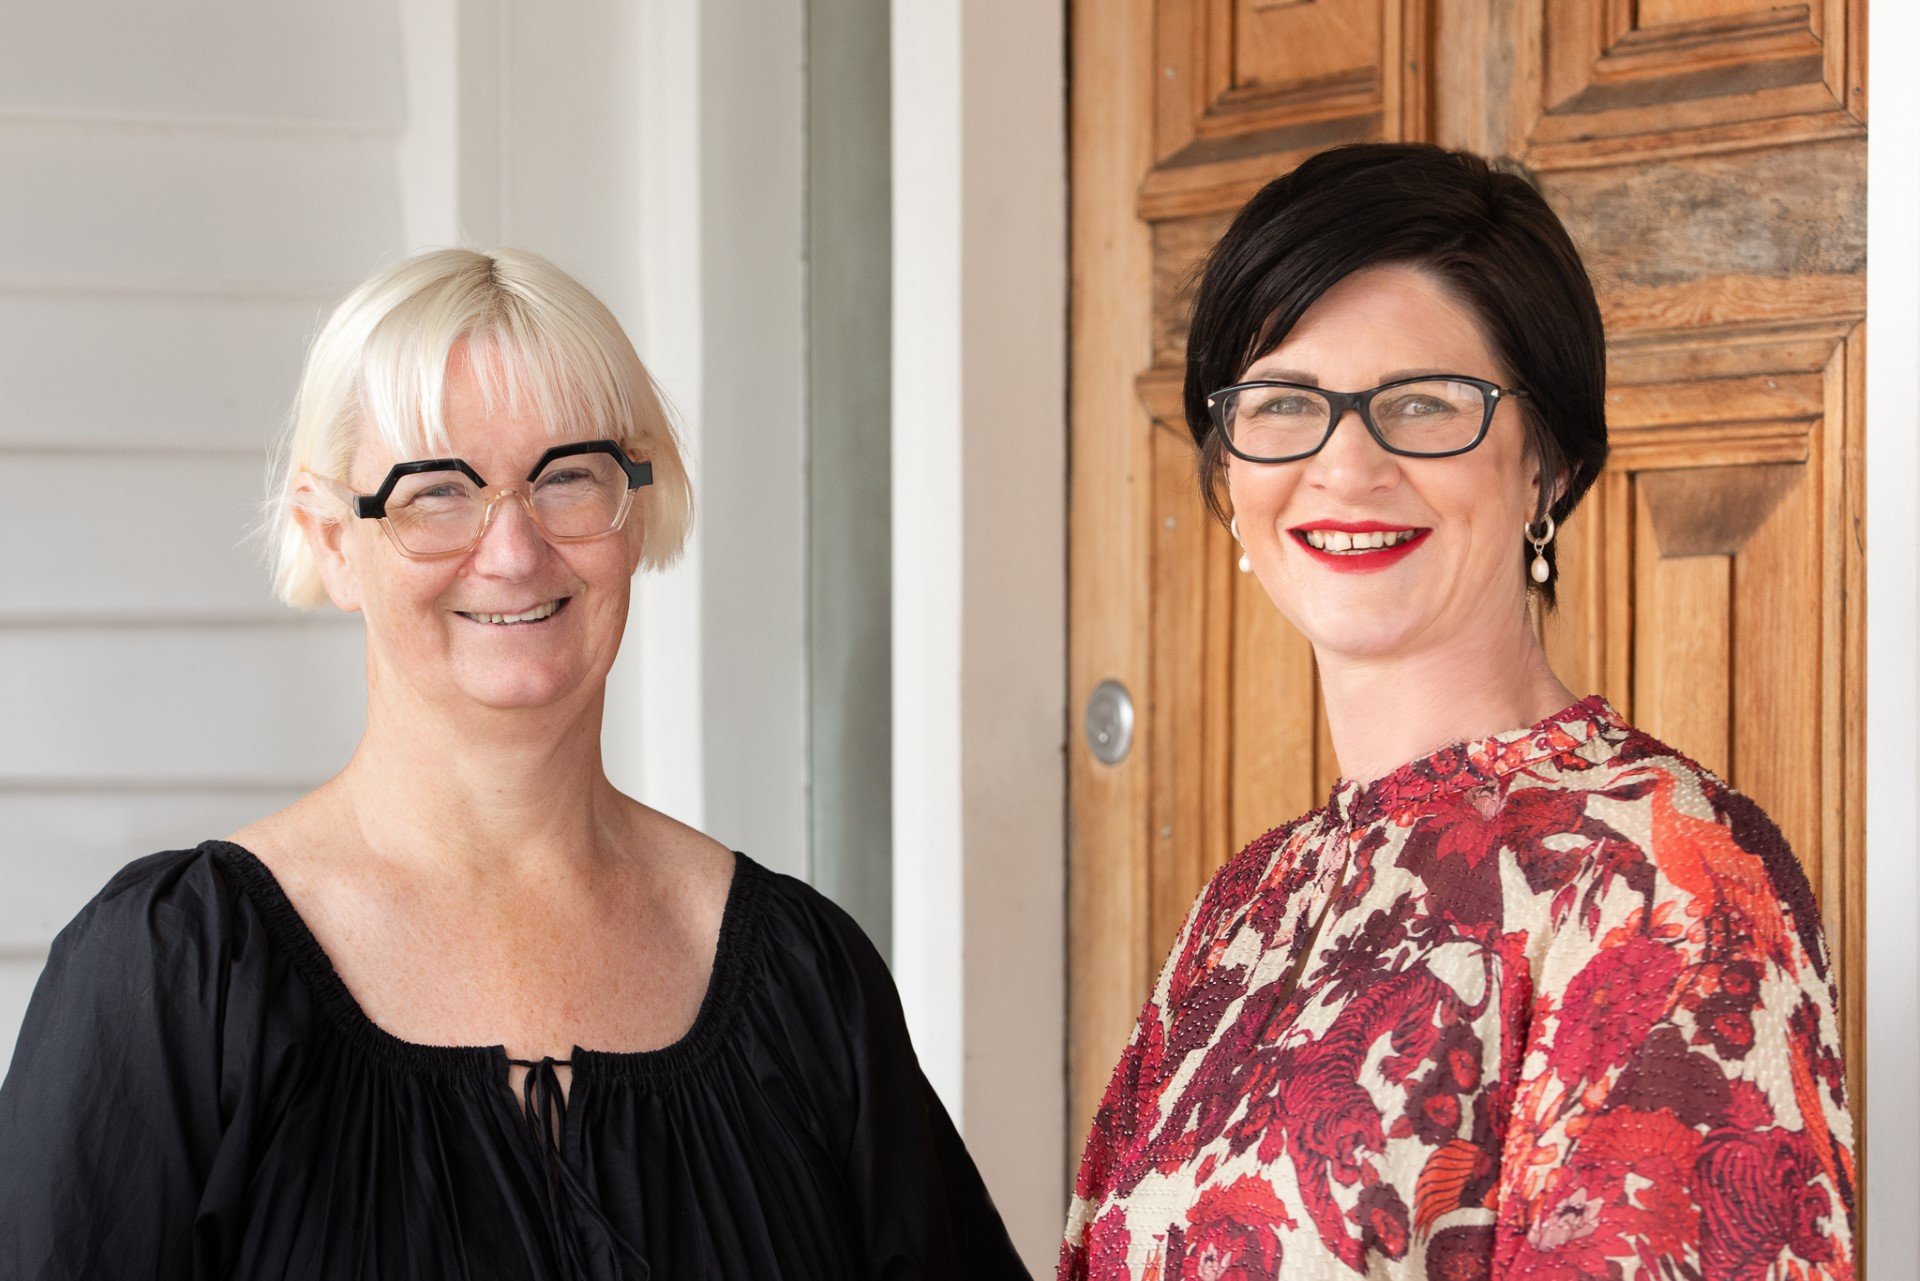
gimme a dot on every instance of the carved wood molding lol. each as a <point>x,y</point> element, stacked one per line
<point>1160,392</point>
<point>1713,511</point>
<point>1609,88</point>
<point>1730,395</point>
<point>1225,124</point>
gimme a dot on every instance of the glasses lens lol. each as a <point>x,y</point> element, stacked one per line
<point>1436,416</point>
<point>435,511</point>
<point>1274,422</point>
<point>580,495</point>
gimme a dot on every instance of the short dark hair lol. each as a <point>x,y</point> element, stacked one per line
<point>1484,234</point>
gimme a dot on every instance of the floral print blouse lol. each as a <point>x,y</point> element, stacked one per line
<point>1568,1014</point>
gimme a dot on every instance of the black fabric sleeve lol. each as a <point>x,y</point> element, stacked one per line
<point>110,1116</point>
<point>923,1209</point>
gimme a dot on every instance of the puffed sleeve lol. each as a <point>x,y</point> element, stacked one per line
<point>111,1116</point>
<point>922,1207</point>
<point>1681,1107</point>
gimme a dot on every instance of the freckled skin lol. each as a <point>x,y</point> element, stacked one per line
<point>474,834</point>
<point>414,633</point>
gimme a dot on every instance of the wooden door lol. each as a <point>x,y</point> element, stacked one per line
<point>1709,158</point>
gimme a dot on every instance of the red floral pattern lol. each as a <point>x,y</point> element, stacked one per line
<point>1568,1015</point>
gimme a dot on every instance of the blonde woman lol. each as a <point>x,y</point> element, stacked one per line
<point>466,1010</point>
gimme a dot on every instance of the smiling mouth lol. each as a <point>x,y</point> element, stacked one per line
<point>1339,542</point>
<point>538,614</point>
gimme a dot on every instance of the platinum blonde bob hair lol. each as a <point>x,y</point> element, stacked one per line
<point>536,339</point>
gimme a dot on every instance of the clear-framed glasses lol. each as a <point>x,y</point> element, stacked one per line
<point>442,507</point>
<point>1432,416</point>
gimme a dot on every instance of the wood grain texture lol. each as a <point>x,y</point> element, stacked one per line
<point>1575,634</point>
<point>1245,91</point>
<point>1274,702</point>
<point>1708,157</point>
<point>1623,82</point>
<point>1682,645</point>
<point>1188,710</point>
<point>1843,672</point>
<point>1110,478</point>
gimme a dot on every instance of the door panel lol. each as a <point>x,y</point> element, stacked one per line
<point>1708,157</point>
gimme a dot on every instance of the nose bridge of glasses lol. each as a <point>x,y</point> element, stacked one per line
<point>1358,404</point>
<point>493,496</point>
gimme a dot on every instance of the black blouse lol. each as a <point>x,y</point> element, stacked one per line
<point>195,1094</point>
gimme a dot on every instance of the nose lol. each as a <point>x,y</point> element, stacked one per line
<point>1352,464</point>
<point>511,545</point>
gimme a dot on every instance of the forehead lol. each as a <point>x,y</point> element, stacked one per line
<point>1377,324</point>
<point>491,411</point>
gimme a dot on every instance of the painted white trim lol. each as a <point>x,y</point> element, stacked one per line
<point>753,485</point>
<point>1893,646</point>
<point>661,675</point>
<point>979,581</point>
<point>706,714</point>
<point>928,418</point>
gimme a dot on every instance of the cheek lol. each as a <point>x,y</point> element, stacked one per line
<point>1489,506</point>
<point>398,591</point>
<point>1257,495</point>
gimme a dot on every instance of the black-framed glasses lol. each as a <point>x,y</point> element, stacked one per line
<point>442,506</point>
<point>1432,416</point>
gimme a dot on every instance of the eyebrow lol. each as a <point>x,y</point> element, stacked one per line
<point>1306,379</point>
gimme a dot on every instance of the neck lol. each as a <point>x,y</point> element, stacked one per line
<point>1385,711</point>
<point>481,790</point>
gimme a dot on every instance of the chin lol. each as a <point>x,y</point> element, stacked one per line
<point>1354,631</point>
<point>513,689</point>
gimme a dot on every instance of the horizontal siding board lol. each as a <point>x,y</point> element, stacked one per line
<point>143,707</point>
<point>109,371</point>
<point>101,208</point>
<point>60,849</point>
<point>338,61</point>
<point>138,536</point>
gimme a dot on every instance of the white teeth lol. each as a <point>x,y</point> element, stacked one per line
<point>533,615</point>
<point>1340,541</point>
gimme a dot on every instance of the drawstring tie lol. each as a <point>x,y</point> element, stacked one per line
<point>544,1106</point>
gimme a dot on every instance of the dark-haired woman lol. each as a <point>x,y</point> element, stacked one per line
<point>1532,994</point>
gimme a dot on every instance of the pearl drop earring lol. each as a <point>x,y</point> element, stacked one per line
<point>1540,570</point>
<point>1233,527</point>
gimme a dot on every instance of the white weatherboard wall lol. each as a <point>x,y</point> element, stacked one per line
<point>979,582</point>
<point>188,191</point>
<point>188,188</point>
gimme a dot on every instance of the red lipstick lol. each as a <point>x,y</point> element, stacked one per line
<point>1358,562</point>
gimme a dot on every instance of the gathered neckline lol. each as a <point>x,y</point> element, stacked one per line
<point>734,952</point>
<point>1473,762</point>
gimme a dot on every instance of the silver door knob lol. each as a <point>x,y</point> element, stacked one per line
<point>1109,722</point>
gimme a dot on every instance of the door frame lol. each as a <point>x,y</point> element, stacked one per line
<point>1893,642</point>
<point>979,581</point>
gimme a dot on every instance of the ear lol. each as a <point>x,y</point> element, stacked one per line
<point>322,523</point>
<point>1559,490</point>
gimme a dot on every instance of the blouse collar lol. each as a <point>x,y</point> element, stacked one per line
<point>1473,763</point>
